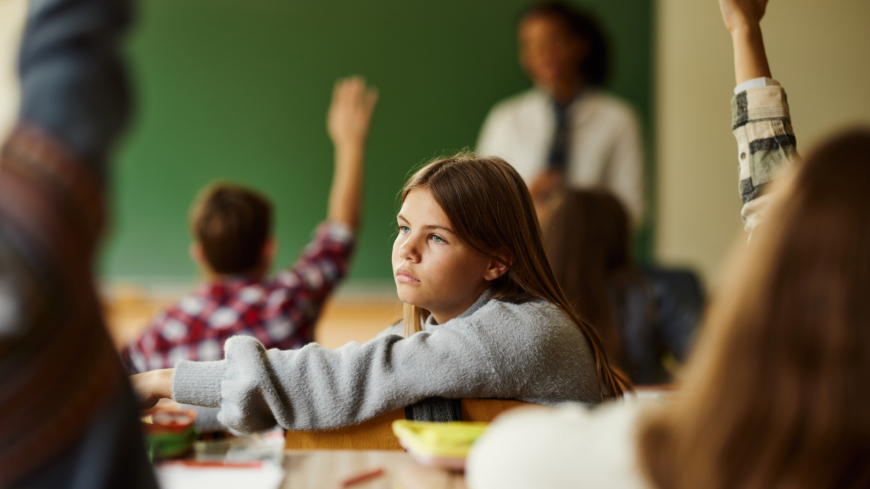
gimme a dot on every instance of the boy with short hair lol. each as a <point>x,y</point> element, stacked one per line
<point>233,244</point>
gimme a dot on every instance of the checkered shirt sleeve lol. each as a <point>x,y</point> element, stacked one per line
<point>322,265</point>
<point>766,145</point>
<point>280,313</point>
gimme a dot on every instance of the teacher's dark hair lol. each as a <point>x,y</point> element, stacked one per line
<point>595,66</point>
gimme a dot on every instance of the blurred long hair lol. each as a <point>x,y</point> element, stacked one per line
<point>587,241</point>
<point>491,211</point>
<point>777,392</point>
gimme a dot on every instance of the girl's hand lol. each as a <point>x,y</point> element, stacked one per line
<point>351,112</point>
<point>742,14</point>
<point>152,386</point>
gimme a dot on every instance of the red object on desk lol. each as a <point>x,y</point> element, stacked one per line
<point>363,477</point>
<point>169,420</point>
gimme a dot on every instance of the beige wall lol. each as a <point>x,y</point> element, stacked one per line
<point>12,14</point>
<point>820,51</point>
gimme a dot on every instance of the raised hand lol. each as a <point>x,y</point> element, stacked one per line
<point>348,123</point>
<point>742,19</point>
<point>351,112</point>
<point>740,14</point>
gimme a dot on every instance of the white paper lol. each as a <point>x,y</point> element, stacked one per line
<point>267,476</point>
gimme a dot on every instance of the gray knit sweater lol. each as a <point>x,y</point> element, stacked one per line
<point>531,351</point>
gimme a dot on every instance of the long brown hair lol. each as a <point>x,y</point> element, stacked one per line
<point>491,210</point>
<point>777,390</point>
<point>588,242</point>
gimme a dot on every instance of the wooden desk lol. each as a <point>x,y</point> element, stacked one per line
<point>377,433</point>
<point>327,469</point>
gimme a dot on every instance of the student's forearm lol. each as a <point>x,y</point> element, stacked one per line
<point>318,388</point>
<point>345,198</point>
<point>750,59</point>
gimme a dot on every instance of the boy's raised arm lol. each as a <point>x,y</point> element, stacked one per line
<point>348,123</point>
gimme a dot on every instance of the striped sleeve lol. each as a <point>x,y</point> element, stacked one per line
<point>765,145</point>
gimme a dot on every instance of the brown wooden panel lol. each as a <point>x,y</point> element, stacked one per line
<point>377,433</point>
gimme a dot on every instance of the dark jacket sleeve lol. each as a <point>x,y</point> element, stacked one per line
<point>67,416</point>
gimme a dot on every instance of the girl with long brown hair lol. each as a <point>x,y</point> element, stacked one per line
<point>776,392</point>
<point>484,318</point>
<point>588,242</point>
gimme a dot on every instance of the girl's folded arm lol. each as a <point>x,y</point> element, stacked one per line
<point>317,388</point>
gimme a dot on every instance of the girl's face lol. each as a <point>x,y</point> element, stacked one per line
<point>432,268</point>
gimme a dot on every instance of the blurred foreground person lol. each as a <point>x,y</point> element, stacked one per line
<point>775,394</point>
<point>567,130</point>
<point>68,418</point>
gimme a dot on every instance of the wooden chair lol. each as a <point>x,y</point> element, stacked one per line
<point>377,433</point>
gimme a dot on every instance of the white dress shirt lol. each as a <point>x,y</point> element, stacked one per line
<point>605,144</point>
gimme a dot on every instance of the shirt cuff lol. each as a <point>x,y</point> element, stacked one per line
<point>755,83</point>
<point>198,383</point>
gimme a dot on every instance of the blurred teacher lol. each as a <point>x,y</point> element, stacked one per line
<point>566,131</point>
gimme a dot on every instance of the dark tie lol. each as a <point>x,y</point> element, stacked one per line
<point>558,156</point>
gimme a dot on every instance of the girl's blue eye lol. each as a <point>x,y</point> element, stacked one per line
<point>404,229</point>
<point>438,239</point>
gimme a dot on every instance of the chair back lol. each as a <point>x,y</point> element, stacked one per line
<point>680,299</point>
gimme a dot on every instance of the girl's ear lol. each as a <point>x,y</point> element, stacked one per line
<point>495,269</point>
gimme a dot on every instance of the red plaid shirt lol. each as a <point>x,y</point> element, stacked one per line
<point>280,312</point>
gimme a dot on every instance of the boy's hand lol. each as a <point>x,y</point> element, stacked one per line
<point>742,14</point>
<point>351,112</point>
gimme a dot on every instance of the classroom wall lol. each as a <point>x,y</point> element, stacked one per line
<point>239,90</point>
<point>818,51</point>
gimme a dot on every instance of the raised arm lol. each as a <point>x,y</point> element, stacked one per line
<point>761,121</point>
<point>73,80</point>
<point>325,261</point>
<point>348,124</point>
<point>57,366</point>
<point>742,19</point>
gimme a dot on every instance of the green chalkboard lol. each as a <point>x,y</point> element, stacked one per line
<point>238,90</point>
